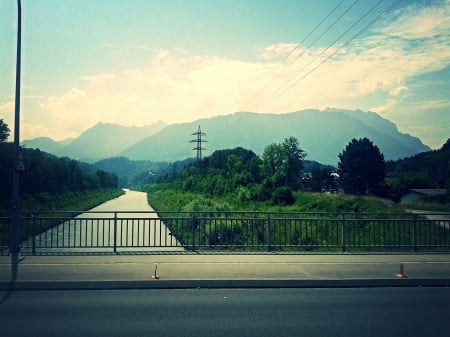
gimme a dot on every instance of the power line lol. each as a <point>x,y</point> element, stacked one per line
<point>280,91</point>
<point>354,37</point>
<point>297,46</point>
<point>315,28</point>
<point>371,23</point>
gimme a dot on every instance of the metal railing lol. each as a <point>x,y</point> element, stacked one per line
<point>229,231</point>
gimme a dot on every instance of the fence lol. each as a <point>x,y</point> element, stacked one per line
<point>229,231</point>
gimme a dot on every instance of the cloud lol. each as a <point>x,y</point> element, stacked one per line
<point>430,105</point>
<point>421,22</point>
<point>396,96</point>
<point>173,87</point>
<point>399,91</point>
<point>177,86</point>
<point>276,50</point>
<point>70,113</point>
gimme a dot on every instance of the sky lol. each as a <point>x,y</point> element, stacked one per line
<point>137,62</point>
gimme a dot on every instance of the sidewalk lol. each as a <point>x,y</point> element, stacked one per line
<point>201,270</point>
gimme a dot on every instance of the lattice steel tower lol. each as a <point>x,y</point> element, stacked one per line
<point>199,142</point>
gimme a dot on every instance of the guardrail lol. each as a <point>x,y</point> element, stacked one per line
<point>230,231</point>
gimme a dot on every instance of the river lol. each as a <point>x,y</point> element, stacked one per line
<point>124,224</point>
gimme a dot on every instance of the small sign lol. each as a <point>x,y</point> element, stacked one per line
<point>20,165</point>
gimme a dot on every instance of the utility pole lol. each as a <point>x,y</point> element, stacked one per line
<point>18,161</point>
<point>199,142</point>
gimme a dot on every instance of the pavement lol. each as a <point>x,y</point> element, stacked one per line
<point>190,270</point>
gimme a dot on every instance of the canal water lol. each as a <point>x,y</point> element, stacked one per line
<point>124,224</point>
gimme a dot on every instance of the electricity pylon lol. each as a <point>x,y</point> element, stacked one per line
<point>199,142</point>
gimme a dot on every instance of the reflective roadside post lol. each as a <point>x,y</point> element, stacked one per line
<point>17,162</point>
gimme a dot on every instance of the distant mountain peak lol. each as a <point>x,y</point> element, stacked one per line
<point>323,134</point>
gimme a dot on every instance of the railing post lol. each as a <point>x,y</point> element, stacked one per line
<point>414,232</point>
<point>343,233</point>
<point>33,240</point>
<point>115,232</point>
<point>194,227</point>
<point>269,248</point>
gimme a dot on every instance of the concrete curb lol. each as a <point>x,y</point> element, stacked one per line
<point>219,284</point>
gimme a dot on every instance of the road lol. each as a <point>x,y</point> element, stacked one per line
<point>358,312</point>
<point>440,218</point>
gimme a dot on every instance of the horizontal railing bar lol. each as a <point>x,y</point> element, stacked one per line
<point>229,230</point>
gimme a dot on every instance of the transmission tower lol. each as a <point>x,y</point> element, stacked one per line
<point>199,142</point>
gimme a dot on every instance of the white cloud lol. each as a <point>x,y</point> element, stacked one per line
<point>399,91</point>
<point>430,105</point>
<point>276,50</point>
<point>421,22</point>
<point>71,113</point>
<point>176,86</point>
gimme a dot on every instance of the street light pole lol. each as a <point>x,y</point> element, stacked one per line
<point>15,247</point>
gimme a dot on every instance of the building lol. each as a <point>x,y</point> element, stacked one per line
<point>416,194</point>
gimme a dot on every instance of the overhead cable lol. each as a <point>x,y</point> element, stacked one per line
<point>304,39</point>
<point>292,82</point>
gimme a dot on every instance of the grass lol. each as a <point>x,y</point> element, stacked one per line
<point>371,224</point>
<point>163,199</point>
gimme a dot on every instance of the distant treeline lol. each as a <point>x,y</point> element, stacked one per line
<point>133,173</point>
<point>277,173</point>
<point>46,173</point>
<point>424,170</point>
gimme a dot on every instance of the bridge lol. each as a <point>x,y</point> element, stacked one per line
<point>288,232</point>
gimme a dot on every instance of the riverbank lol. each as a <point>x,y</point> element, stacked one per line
<point>123,224</point>
<point>67,201</point>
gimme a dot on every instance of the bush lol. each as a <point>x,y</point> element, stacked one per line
<point>283,196</point>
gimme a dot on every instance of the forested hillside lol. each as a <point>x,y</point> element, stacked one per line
<point>425,170</point>
<point>46,173</point>
<point>137,172</point>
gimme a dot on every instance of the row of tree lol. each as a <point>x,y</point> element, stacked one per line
<point>47,173</point>
<point>361,170</point>
<point>280,171</point>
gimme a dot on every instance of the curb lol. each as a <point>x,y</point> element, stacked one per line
<point>219,284</point>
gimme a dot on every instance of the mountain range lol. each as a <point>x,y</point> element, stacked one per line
<point>321,134</point>
<point>103,140</point>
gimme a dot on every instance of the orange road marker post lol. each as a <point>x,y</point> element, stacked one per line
<point>401,273</point>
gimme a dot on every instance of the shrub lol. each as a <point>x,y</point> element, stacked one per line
<point>283,196</point>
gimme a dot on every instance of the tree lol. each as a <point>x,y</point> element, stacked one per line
<point>361,167</point>
<point>295,157</point>
<point>4,131</point>
<point>283,164</point>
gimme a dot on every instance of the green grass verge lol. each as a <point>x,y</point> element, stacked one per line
<point>319,232</point>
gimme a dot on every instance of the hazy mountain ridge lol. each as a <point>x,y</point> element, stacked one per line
<point>322,134</point>
<point>103,140</point>
<point>46,144</point>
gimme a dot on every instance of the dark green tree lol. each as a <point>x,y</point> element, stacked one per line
<point>361,167</point>
<point>283,164</point>
<point>4,131</point>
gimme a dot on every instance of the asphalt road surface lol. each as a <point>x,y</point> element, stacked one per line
<point>227,312</point>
